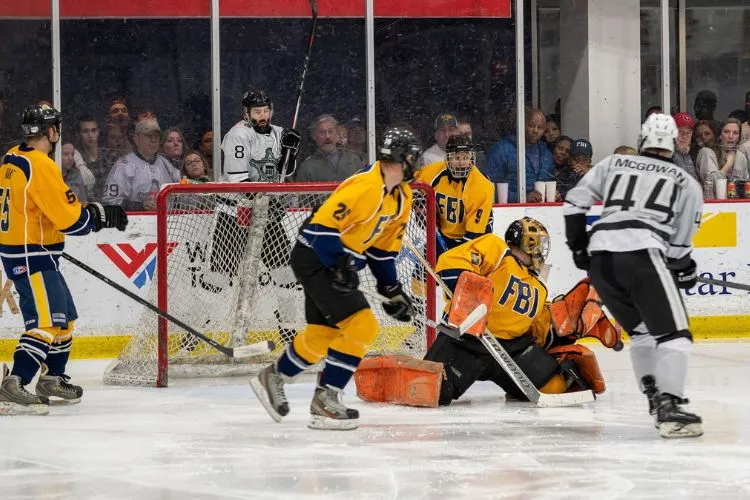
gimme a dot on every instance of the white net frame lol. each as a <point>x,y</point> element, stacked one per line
<point>222,268</point>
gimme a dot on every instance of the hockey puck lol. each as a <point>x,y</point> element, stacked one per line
<point>618,346</point>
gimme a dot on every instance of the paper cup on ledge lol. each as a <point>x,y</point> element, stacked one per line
<point>501,192</point>
<point>540,188</point>
<point>721,189</point>
<point>550,191</point>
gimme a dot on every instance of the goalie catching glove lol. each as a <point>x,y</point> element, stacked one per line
<point>399,305</point>
<point>107,216</point>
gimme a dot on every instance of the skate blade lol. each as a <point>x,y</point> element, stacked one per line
<point>260,393</point>
<point>63,401</point>
<point>319,422</point>
<point>8,408</point>
<point>673,430</point>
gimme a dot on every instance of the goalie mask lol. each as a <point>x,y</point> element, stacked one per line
<point>459,156</point>
<point>532,238</point>
<point>257,99</point>
<point>400,146</point>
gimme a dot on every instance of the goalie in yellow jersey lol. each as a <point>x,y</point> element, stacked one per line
<point>463,195</point>
<point>539,337</point>
<point>37,211</point>
<point>361,224</point>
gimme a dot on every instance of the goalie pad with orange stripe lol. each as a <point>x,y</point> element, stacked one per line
<point>585,360</point>
<point>579,314</point>
<point>399,379</point>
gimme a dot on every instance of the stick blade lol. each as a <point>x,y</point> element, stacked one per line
<point>247,351</point>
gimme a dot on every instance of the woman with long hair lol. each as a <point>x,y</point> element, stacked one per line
<point>720,160</point>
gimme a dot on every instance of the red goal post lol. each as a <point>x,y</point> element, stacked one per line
<point>222,268</point>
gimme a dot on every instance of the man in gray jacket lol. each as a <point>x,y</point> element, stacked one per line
<point>682,158</point>
<point>328,163</point>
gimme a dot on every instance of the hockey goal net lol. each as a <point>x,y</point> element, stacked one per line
<point>223,269</point>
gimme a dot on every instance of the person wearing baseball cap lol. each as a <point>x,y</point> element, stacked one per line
<point>446,126</point>
<point>685,124</point>
<point>578,164</point>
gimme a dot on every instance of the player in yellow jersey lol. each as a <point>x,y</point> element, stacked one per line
<point>517,318</point>
<point>361,223</point>
<point>463,195</point>
<point>37,211</point>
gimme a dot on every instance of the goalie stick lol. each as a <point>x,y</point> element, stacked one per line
<point>475,315</point>
<point>311,40</point>
<point>506,361</point>
<point>237,352</point>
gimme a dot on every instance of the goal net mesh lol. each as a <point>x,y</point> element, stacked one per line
<point>223,269</point>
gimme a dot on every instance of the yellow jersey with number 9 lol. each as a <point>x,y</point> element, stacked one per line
<point>37,210</point>
<point>519,295</point>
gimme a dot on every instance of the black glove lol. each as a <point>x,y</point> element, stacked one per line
<point>344,277</point>
<point>684,271</point>
<point>107,216</point>
<point>399,305</point>
<point>581,259</point>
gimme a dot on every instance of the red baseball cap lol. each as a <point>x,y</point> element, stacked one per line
<point>684,120</point>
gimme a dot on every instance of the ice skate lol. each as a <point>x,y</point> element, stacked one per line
<point>59,390</point>
<point>674,422</point>
<point>269,388</point>
<point>16,400</point>
<point>651,392</point>
<point>327,412</point>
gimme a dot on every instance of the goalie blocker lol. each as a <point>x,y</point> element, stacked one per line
<point>552,363</point>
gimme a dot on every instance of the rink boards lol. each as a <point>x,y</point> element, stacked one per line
<point>107,318</point>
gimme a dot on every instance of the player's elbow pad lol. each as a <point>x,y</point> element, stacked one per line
<point>575,231</point>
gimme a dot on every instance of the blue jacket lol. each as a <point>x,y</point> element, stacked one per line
<point>502,165</point>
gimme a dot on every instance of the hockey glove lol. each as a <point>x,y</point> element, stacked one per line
<point>344,277</point>
<point>578,240</point>
<point>107,216</point>
<point>582,259</point>
<point>290,141</point>
<point>684,271</point>
<point>399,305</point>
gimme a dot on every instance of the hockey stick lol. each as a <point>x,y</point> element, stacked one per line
<point>237,352</point>
<point>474,316</point>
<point>311,40</point>
<point>506,361</point>
<point>722,283</point>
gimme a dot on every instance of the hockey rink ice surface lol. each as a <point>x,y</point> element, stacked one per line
<point>210,439</point>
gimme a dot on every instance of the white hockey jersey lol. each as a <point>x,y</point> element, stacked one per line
<point>649,202</point>
<point>250,156</point>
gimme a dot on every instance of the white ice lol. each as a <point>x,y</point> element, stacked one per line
<point>210,439</point>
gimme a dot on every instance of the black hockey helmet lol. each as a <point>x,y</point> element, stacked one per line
<point>38,118</point>
<point>459,156</point>
<point>532,238</point>
<point>399,145</point>
<point>255,98</point>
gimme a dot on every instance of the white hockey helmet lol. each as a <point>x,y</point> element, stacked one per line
<point>658,131</point>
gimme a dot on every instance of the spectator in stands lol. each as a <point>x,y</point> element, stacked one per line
<point>446,126</point>
<point>705,105</point>
<point>650,111</point>
<point>745,135</point>
<point>357,136</point>
<point>173,146</point>
<point>502,164</point>
<point>205,147</point>
<point>581,154</point>
<point>464,128</point>
<point>681,158</point>
<point>118,112</point>
<point>328,163</point>
<point>625,150</point>
<point>552,132</point>
<point>704,135</point>
<point>71,175</point>
<point>196,168</point>
<point>739,114</point>
<point>94,157</point>
<point>116,146</point>
<point>722,160</point>
<point>561,159</point>
<point>136,178</point>
<point>342,136</point>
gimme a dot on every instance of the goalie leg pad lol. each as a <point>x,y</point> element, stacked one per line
<point>472,290</point>
<point>464,361</point>
<point>586,363</point>
<point>400,380</point>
